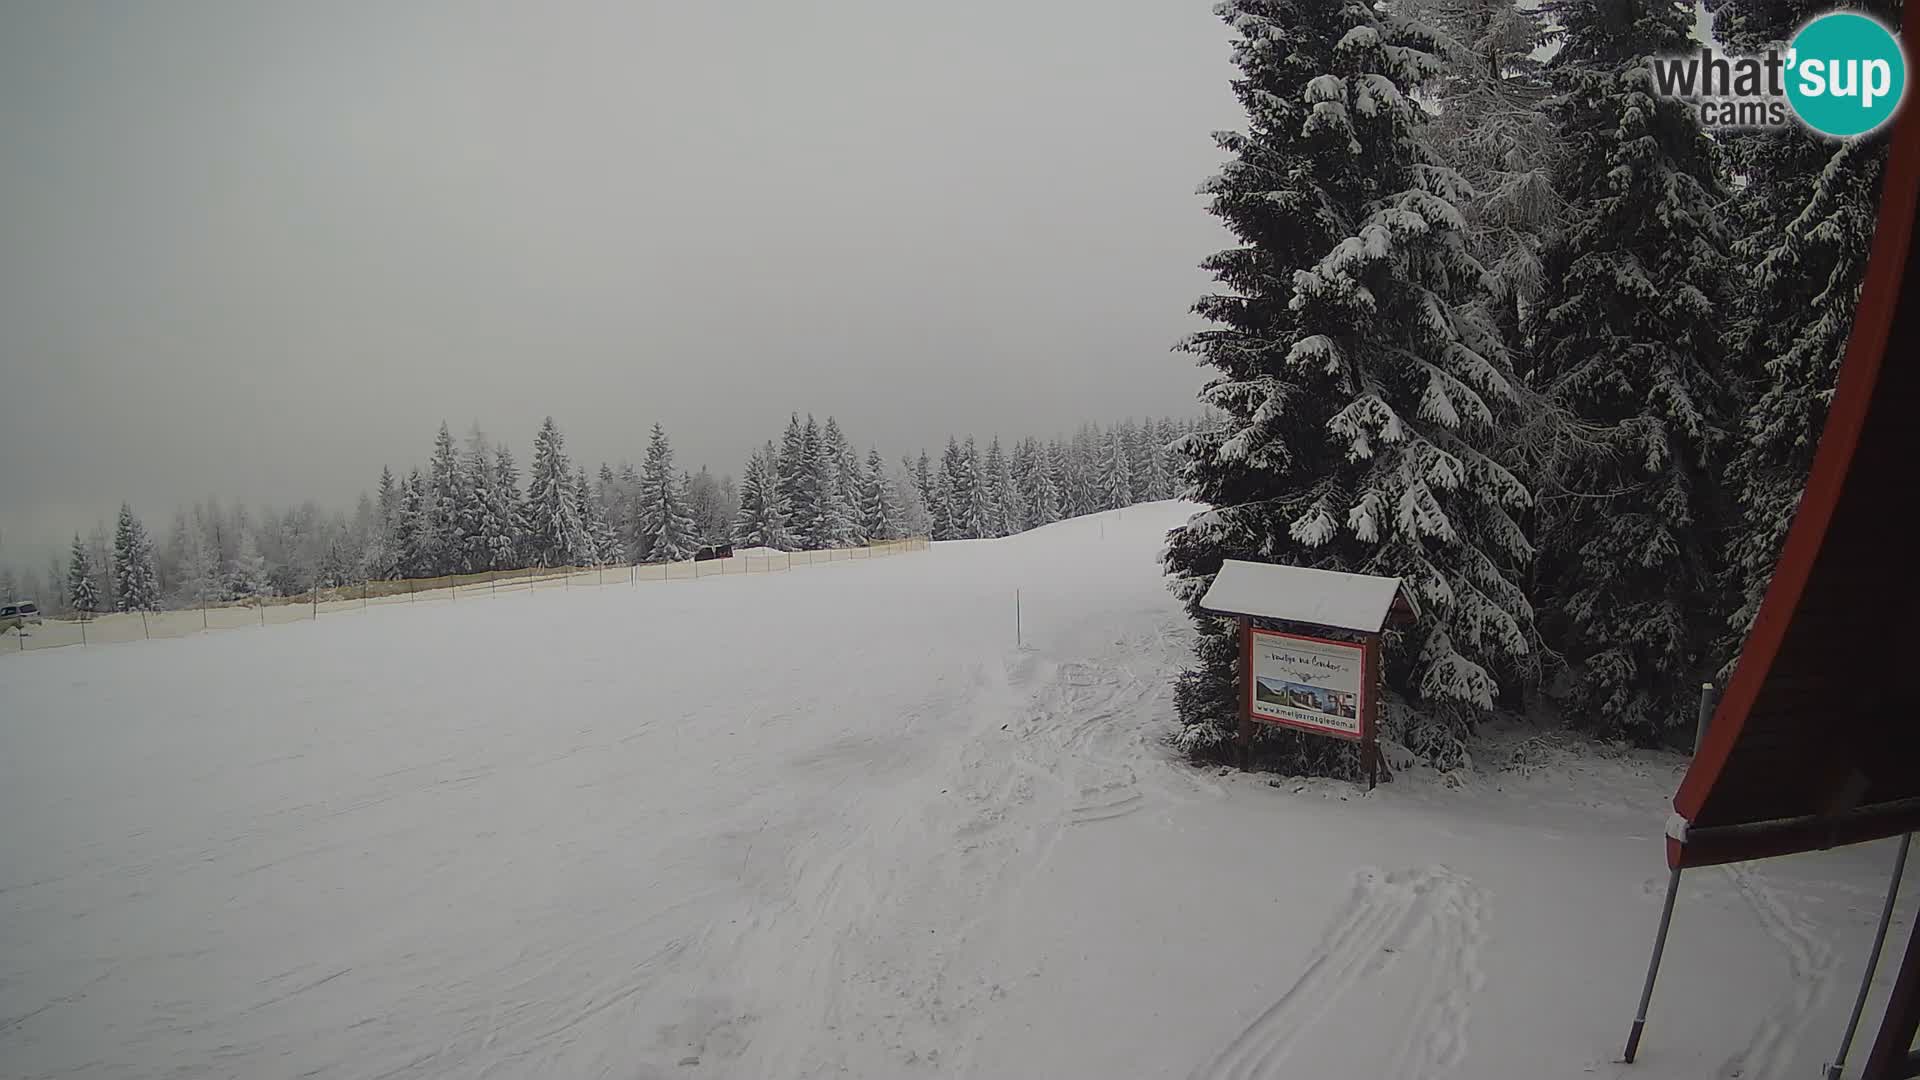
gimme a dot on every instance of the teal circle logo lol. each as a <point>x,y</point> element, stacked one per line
<point>1846,74</point>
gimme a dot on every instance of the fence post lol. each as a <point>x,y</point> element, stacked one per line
<point>363,594</point>
<point>144,632</point>
<point>260,605</point>
<point>83,628</point>
<point>203,614</point>
<point>409,590</point>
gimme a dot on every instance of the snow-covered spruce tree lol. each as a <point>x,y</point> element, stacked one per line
<point>388,496</point>
<point>1021,462</point>
<point>971,513</point>
<point>729,506</point>
<point>199,570</point>
<point>1116,479</point>
<point>509,510</point>
<point>711,523</point>
<point>1045,502</point>
<point>599,546</point>
<point>371,560</point>
<point>799,501</point>
<point>100,558</point>
<point>624,516</point>
<point>1359,396</point>
<point>1157,483</point>
<point>1043,498</point>
<point>136,584</point>
<point>666,528</point>
<point>1627,339</point>
<point>1009,509</point>
<point>169,555</point>
<point>250,577</point>
<point>762,520</point>
<point>555,535</point>
<point>1807,212</point>
<point>1082,471</point>
<point>606,492</point>
<point>881,516</point>
<point>442,547</point>
<point>412,555</point>
<point>994,517</point>
<point>479,529</point>
<point>607,501</point>
<point>945,508</point>
<point>83,597</point>
<point>914,519</point>
<point>846,484</point>
<point>1491,125</point>
<point>834,527</point>
<point>922,473</point>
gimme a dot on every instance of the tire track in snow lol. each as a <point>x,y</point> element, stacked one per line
<point>1386,916</point>
<point>1770,1053</point>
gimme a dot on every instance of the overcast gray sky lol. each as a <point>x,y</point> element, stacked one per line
<point>256,250</point>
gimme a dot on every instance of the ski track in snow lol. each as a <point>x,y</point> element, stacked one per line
<point>612,834</point>
<point>1431,913</point>
<point>1771,1052</point>
<point>1056,744</point>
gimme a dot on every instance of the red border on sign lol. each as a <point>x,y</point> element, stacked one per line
<point>1362,698</point>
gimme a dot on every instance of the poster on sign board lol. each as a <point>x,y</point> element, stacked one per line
<point>1309,683</point>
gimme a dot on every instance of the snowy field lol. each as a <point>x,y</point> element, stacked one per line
<point>835,824</point>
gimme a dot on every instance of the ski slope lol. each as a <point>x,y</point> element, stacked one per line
<point>835,824</point>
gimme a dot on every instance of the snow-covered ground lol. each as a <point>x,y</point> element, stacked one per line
<point>829,824</point>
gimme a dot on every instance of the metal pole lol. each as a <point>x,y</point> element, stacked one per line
<point>1873,959</point>
<point>1017,639</point>
<point>144,632</point>
<point>1708,698</point>
<point>363,594</point>
<point>83,628</point>
<point>1653,968</point>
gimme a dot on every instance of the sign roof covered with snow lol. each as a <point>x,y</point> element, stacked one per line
<point>1301,594</point>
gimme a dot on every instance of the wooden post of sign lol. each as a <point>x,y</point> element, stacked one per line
<point>1370,724</point>
<point>1245,739</point>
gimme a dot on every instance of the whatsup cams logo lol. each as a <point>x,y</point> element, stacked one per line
<point>1843,74</point>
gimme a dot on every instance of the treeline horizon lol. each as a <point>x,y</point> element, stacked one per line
<point>467,510</point>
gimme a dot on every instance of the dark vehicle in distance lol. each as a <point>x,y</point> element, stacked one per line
<point>713,551</point>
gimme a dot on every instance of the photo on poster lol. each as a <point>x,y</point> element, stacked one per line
<point>1308,682</point>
